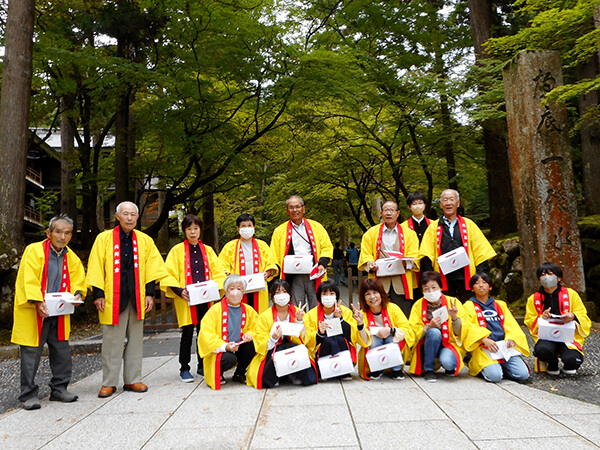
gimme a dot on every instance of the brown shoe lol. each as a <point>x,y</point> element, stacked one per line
<point>136,387</point>
<point>106,391</point>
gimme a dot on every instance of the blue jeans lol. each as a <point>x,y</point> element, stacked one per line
<point>514,368</point>
<point>433,348</point>
<point>378,342</point>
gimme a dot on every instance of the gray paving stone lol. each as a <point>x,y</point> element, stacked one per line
<point>587,425</point>
<point>225,438</point>
<point>319,394</point>
<point>549,443</point>
<point>550,403</point>
<point>304,426</point>
<point>428,434</point>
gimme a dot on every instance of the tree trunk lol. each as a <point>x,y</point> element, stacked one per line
<point>68,197</point>
<point>209,230</point>
<point>122,192</point>
<point>14,127</point>
<point>500,196</point>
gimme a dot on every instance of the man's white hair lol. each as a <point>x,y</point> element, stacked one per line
<point>118,211</point>
<point>451,190</point>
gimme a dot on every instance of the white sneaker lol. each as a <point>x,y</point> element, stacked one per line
<point>569,372</point>
<point>553,372</point>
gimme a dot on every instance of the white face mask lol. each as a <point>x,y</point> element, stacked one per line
<point>328,300</point>
<point>281,299</point>
<point>549,281</point>
<point>247,232</point>
<point>418,209</point>
<point>433,297</point>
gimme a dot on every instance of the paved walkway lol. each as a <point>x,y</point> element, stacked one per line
<point>462,412</point>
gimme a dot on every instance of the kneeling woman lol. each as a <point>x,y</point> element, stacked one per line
<point>261,372</point>
<point>393,326</point>
<point>330,307</point>
<point>438,336</point>
<point>491,321</point>
<point>226,335</point>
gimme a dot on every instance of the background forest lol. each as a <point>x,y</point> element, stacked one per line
<point>230,106</point>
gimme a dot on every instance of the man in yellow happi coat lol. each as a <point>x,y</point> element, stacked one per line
<point>302,237</point>
<point>391,236</point>
<point>248,255</point>
<point>46,267</point>
<point>123,267</point>
<point>452,233</point>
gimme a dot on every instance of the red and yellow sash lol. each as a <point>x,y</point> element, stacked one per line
<point>407,291</point>
<point>564,304</point>
<point>65,286</point>
<point>240,262</point>
<point>387,322</point>
<point>188,273</point>
<point>411,223</point>
<point>313,246</point>
<point>225,335</point>
<point>445,337</point>
<point>462,226</point>
<point>117,274</point>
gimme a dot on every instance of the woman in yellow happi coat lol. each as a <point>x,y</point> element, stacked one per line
<point>393,326</point>
<point>248,255</point>
<point>226,335</point>
<point>493,325</point>
<point>268,341</point>
<point>437,338</point>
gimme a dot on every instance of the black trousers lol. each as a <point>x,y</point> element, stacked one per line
<point>400,300</point>
<point>456,288</point>
<point>549,352</point>
<point>270,378</point>
<point>60,361</point>
<point>187,336</point>
<point>242,358</point>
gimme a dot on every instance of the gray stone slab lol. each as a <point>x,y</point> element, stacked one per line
<point>549,443</point>
<point>392,405</point>
<point>428,434</point>
<point>22,442</point>
<point>304,426</point>
<point>464,386</point>
<point>550,403</point>
<point>225,438</point>
<point>219,410</point>
<point>127,431</point>
<point>319,394</point>
<point>134,403</point>
<point>511,417</point>
<point>381,384</point>
<point>587,425</point>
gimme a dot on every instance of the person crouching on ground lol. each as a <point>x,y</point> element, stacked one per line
<point>490,323</point>
<point>437,338</point>
<point>226,335</point>
<point>555,300</point>
<point>393,326</point>
<point>267,341</point>
<point>329,307</point>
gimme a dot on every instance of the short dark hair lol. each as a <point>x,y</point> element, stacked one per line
<point>475,278</point>
<point>426,277</point>
<point>415,196</point>
<point>189,220</point>
<point>352,245</point>
<point>549,267</point>
<point>372,284</point>
<point>328,286</point>
<point>281,282</point>
<point>243,218</point>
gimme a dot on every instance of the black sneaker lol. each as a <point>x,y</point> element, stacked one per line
<point>430,377</point>
<point>449,372</point>
<point>239,378</point>
<point>553,370</point>
<point>397,375</point>
<point>376,375</point>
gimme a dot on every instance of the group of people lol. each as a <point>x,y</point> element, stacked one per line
<point>414,306</point>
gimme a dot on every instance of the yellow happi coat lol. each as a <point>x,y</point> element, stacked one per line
<point>322,242</point>
<point>101,267</point>
<point>262,333</point>
<point>400,322</point>
<point>210,339</point>
<point>230,260</point>
<point>368,248</point>
<point>455,342</point>
<point>311,322</point>
<point>176,265</point>
<point>512,330</point>
<point>582,328</point>
<point>479,248</point>
<point>26,328</point>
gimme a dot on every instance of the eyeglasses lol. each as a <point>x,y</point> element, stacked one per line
<point>295,207</point>
<point>389,210</point>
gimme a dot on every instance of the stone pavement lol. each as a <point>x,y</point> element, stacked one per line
<point>462,412</point>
